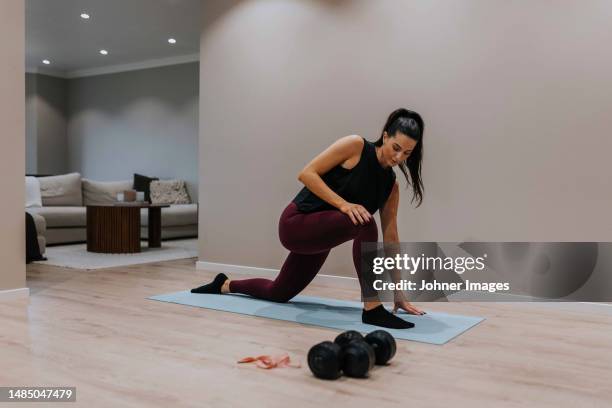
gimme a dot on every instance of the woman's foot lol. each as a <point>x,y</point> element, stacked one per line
<point>379,316</point>
<point>218,286</point>
<point>225,287</point>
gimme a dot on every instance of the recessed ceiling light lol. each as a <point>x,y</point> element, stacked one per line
<point>46,62</point>
<point>85,16</point>
<point>103,52</point>
<point>171,40</point>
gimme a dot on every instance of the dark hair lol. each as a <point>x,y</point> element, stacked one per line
<point>410,124</point>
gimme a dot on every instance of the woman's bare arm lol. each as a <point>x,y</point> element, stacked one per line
<point>388,220</point>
<point>388,216</point>
<point>343,150</point>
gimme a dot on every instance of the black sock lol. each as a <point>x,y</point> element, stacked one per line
<point>212,287</point>
<point>379,316</point>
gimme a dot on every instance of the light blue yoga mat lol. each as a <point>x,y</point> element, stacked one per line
<point>434,328</point>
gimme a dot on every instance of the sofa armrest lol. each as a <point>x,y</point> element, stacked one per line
<point>40,222</point>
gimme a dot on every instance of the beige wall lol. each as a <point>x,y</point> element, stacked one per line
<point>46,122</point>
<point>516,96</point>
<point>12,144</point>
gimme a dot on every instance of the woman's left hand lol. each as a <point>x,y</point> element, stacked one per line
<point>407,307</point>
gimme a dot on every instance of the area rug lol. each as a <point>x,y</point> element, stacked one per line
<point>77,257</point>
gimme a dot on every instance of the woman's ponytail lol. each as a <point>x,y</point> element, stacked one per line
<point>410,124</point>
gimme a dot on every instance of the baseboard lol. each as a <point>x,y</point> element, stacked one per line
<point>341,282</point>
<point>14,294</point>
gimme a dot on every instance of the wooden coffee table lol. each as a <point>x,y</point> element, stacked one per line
<point>115,228</point>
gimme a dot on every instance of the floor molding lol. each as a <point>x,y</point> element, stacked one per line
<point>14,294</point>
<point>340,282</point>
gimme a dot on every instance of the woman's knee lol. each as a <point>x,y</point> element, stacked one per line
<point>368,231</point>
<point>279,296</point>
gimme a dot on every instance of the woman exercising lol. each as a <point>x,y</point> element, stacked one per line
<point>344,186</point>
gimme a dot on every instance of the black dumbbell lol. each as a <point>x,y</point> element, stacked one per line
<point>345,338</point>
<point>383,344</point>
<point>381,341</point>
<point>328,360</point>
<point>324,360</point>
<point>352,353</point>
<point>358,358</point>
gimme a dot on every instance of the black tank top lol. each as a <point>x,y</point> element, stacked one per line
<point>368,184</point>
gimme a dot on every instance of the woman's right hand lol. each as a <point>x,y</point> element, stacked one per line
<point>357,213</point>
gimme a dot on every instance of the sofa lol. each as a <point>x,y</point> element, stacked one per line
<point>64,199</point>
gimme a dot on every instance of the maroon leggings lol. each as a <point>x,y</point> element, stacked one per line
<point>309,237</point>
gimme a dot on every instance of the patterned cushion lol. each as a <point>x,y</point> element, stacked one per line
<point>169,192</point>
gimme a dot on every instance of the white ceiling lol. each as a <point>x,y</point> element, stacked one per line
<point>135,33</point>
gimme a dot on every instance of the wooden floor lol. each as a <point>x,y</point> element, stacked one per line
<point>95,330</point>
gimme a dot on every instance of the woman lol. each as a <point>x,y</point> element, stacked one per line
<point>344,186</point>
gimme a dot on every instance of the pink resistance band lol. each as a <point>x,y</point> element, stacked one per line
<point>268,362</point>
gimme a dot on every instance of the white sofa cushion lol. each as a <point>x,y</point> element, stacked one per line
<point>32,190</point>
<point>103,192</point>
<point>61,190</point>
